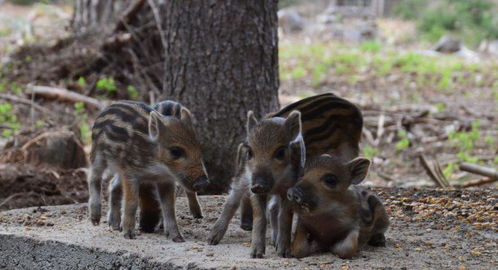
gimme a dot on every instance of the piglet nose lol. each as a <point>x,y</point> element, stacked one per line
<point>200,183</point>
<point>293,195</point>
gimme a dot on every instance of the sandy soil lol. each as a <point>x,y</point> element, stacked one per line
<point>430,229</point>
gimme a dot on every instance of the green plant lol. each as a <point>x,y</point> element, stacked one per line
<point>9,120</point>
<point>370,46</point>
<point>449,169</point>
<point>132,91</point>
<point>490,140</point>
<point>82,118</point>
<point>409,9</point>
<point>440,107</point>
<point>3,85</point>
<point>465,142</point>
<point>370,152</point>
<point>22,2</point>
<point>404,142</point>
<point>39,123</point>
<point>81,82</point>
<point>16,89</point>
<point>471,20</point>
<point>106,84</point>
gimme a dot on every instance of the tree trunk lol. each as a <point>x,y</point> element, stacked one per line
<point>221,60</point>
<point>92,15</point>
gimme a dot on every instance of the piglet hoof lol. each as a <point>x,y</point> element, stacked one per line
<point>114,223</point>
<point>178,239</point>
<point>95,221</point>
<point>198,216</point>
<point>129,235</point>
<point>377,240</point>
<point>257,252</point>
<point>284,252</point>
<point>215,236</point>
<point>246,226</point>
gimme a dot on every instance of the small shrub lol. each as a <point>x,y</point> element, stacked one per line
<point>404,142</point>
<point>371,46</point>
<point>82,82</point>
<point>82,118</point>
<point>9,120</point>
<point>370,152</point>
<point>132,91</point>
<point>106,84</point>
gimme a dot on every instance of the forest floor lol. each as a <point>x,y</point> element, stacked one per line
<point>414,102</point>
<point>430,229</point>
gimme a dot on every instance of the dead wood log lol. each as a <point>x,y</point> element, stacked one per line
<point>56,149</point>
<point>480,170</point>
<point>65,95</point>
<point>59,149</point>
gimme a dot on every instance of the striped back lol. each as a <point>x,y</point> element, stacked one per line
<point>169,107</point>
<point>330,124</point>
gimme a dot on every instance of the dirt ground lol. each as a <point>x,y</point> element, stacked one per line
<point>24,185</point>
<point>430,229</point>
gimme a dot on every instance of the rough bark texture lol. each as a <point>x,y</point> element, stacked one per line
<point>221,61</point>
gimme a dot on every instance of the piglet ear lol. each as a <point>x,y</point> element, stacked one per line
<point>359,169</point>
<point>154,125</point>
<point>293,124</point>
<point>251,121</point>
<point>186,116</point>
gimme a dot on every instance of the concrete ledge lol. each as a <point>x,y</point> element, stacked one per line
<point>61,237</point>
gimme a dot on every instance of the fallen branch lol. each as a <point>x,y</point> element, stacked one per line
<point>128,15</point>
<point>480,170</point>
<point>65,95</point>
<point>477,182</point>
<point>380,129</point>
<point>386,177</point>
<point>368,136</point>
<point>4,202</point>
<point>24,101</point>
<point>434,172</point>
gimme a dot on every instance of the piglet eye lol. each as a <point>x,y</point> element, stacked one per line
<point>330,180</point>
<point>176,152</point>
<point>280,153</point>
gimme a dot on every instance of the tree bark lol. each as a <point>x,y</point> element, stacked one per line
<point>221,60</point>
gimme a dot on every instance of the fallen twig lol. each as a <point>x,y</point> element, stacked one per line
<point>4,202</point>
<point>473,168</point>
<point>434,172</point>
<point>476,182</point>
<point>128,15</point>
<point>24,101</point>
<point>65,95</point>
<point>380,129</point>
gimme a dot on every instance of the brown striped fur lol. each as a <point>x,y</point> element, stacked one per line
<point>333,213</point>
<point>329,124</point>
<point>144,147</point>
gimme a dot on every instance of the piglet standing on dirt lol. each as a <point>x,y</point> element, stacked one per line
<point>143,146</point>
<point>332,214</point>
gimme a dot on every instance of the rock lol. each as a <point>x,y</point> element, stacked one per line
<point>489,46</point>
<point>448,44</point>
<point>290,21</point>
